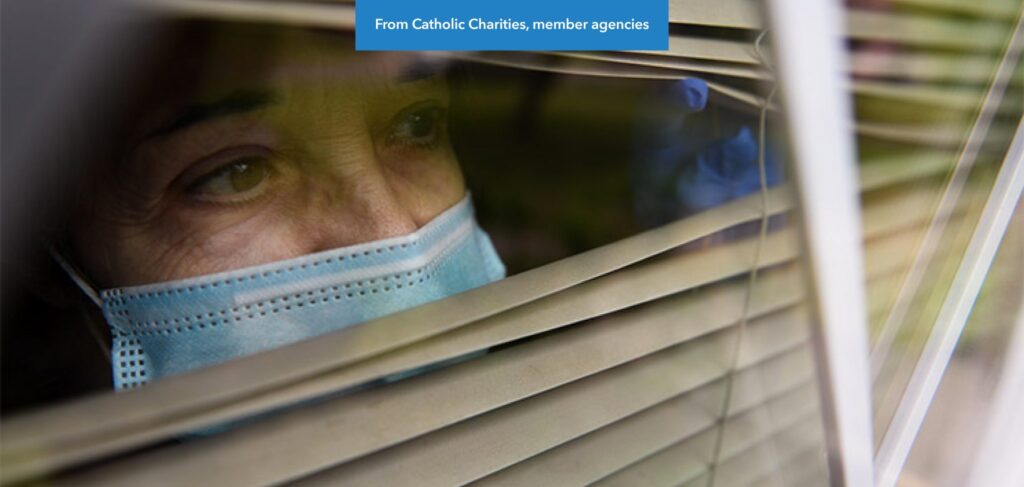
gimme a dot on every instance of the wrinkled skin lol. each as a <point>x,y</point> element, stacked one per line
<point>271,146</point>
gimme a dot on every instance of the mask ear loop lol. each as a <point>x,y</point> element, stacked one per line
<point>76,276</point>
<point>83,284</point>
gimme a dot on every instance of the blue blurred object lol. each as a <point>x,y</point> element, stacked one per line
<point>692,93</point>
<point>683,165</point>
<point>725,170</point>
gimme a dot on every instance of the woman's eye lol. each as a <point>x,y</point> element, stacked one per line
<point>421,127</point>
<point>235,178</point>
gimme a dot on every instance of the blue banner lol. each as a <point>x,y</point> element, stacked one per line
<point>512,25</point>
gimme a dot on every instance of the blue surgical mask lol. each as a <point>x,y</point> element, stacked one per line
<point>173,327</point>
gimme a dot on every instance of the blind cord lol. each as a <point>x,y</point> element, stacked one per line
<point>737,343</point>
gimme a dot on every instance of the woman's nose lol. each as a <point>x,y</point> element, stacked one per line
<point>354,207</point>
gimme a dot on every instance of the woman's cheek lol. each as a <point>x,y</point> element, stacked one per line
<point>426,184</point>
<point>207,244</point>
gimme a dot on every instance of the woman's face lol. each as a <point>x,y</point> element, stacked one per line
<point>278,144</point>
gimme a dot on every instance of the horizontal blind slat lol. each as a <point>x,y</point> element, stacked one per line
<point>695,47</point>
<point>865,61</point>
<point>736,14</point>
<point>799,470</point>
<point>585,67</point>
<point>752,463</point>
<point>1002,9</point>
<point>785,409</point>
<point>600,453</point>
<point>595,348</point>
<point>670,63</point>
<point>926,31</point>
<point>890,169</point>
<point>309,14</point>
<point>926,66</point>
<point>891,253</point>
<point>676,465</point>
<point>922,66</point>
<point>951,98</point>
<point>894,210</point>
<point>702,480</point>
<point>483,445</point>
<point>639,66</point>
<point>907,28</point>
<point>927,135</point>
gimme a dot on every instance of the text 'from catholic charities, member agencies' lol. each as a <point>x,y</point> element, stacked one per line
<point>520,25</point>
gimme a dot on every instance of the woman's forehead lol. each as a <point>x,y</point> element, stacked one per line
<point>235,52</point>
<point>242,64</point>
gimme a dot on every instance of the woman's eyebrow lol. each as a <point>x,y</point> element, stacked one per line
<point>419,70</point>
<point>234,103</point>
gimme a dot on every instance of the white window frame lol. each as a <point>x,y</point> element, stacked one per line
<point>809,42</point>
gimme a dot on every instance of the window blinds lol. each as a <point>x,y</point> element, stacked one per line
<point>911,304</point>
<point>626,370</point>
<point>685,332</point>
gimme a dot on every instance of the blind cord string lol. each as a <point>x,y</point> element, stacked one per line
<point>752,281</point>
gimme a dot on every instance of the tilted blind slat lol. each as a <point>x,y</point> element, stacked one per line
<point>955,98</point>
<point>880,171</point>
<point>608,352</point>
<point>888,258</point>
<point>931,135</point>
<point>737,14</point>
<point>586,67</point>
<point>673,64</point>
<point>632,65</point>
<point>483,445</point>
<point>926,66</point>
<point>864,61</point>
<point>695,47</point>
<point>890,253</point>
<point>672,465</point>
<point>510,435</point>
<point>926,31</point>
<point>895,210</point>
<point>908,28</point>
<point>921,66</point>
<point>602,452</point>
<point>308,14</point>
<point>916,199</point>
<point>682,462</point>
<point>689,457</point>
<point>1002,9</point>
<point>701,480</point>
<point>893,371</point>
<point>805,468</point>
<point>756,461</point>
